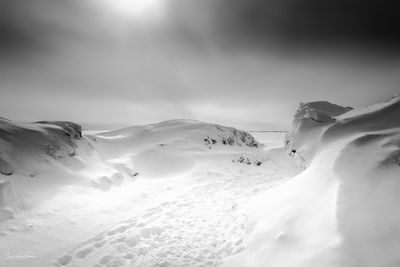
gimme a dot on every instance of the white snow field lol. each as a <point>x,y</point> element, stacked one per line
<point>342,210</point>
<point>184,193</point>
<point>166,194</point>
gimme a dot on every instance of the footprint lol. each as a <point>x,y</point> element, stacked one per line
<point>84,252</point>
<point>145,232</point>
<point>156,230</point>
<point>118,240</point>
<point>238,242</point>
<point>96,238</point>
<point>106,259</point>
<point>131,242</point>
<point>65,260</point>
<point>116,263</point>
<point>129,256</point>
<point>117,178</point>
<point>100,243</point>
<point>120,229</point>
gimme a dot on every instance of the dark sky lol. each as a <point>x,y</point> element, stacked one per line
<point>246,63</point>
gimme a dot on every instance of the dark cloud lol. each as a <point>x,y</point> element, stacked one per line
<point>264,23</point>
<point>16,27</point>
<point>373,21</point>
<point>79,60</point>
<point>30,26</point>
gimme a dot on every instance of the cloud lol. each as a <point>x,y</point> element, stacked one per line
<point>292,21</point>
<point>201,56</point>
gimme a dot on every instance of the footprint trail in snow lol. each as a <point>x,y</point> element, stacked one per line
<point>199,228</point>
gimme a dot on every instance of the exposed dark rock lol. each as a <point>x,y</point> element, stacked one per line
<point>247,161</point>
<point>208,141</point>
<point>258,163</point>
<point>72,129</point>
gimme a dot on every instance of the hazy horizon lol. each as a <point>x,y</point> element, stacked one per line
<point>246,64</point>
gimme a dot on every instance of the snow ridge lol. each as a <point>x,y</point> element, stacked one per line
<point>340,211</point>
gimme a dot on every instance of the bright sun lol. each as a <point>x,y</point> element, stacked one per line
<point>135,9</point>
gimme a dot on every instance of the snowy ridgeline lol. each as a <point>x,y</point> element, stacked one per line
<point>341,211</point>
<point>30,153</point>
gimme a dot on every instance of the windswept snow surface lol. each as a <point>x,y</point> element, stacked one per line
<point>342,210</point>
<point>166,194</point>
<point>187,193</point>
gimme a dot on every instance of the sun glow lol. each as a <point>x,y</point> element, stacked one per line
<point>136,9</point>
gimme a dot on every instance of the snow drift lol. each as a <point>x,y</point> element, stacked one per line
<point>39,159</point>
<point>310,121</point>
<point>28,150</point>
<point>342,210</point>
<point>61,187</point>
<point>172,147</point>
<point>21,144</point>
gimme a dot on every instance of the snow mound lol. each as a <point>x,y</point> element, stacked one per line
<point>23,144</point>
<point>196,132</point>
<point>40,159</point>
<point>333,122</point>
<point>366,120</point>
<point>171,148</point>
<point>185,216</point>
<point>341,211</point>
<point>310,121</point>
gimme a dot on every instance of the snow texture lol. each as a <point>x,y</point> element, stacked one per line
<point>340,211</point>
<point>165,194</point>
<point>188,193</point>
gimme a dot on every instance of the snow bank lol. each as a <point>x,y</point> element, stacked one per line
<point>29,151</point>
<point>90,182</point>
<point>310,121</point>
<point>341,211</point>
<point>171,148</point>
<point>23,144</point>
<point>189,131</point>
<point>39,159</point>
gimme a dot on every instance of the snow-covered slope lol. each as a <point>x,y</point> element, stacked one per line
<point>60,186</point>
<point>31,151</point>
<point>310,121</point>
<point>26,152</point>
<point>24,145</point>
<point>342,210</point>
<point>176,133</point>
<point>172,147</point>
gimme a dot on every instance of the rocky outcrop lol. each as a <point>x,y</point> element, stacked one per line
<point>230,136</point>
